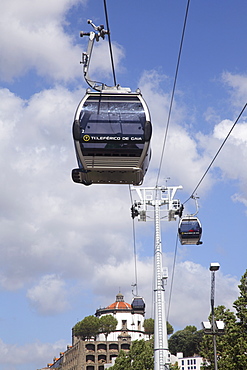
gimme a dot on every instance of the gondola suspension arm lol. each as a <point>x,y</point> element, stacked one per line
<point>197,206</point>
<point>99,32</point>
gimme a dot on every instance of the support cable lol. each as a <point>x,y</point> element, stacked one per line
<point>173,91</point>
<point>217,153</point>
<point>134,246</point>
<point>110,46</point>
<point>172,279</point>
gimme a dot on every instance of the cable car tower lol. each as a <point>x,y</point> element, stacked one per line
<point>156,198</point>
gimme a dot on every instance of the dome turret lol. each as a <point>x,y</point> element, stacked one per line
<point>118,305</point>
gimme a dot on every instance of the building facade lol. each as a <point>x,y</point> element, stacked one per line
<point>130,319</point>
<point>189,363</point>
<point>100,353</point>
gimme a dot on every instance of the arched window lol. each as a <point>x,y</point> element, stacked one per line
<point>90,347</point>
<point>90,358</point>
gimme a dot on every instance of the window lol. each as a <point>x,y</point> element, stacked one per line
<point>124,324</point>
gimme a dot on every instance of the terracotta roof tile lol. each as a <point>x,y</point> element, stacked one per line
<point>119,306</point>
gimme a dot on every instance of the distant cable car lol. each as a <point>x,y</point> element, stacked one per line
<point>112,132</point>
<point>190,230</point>
<point>138,304</point>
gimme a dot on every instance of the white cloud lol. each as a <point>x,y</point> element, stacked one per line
<point>87,231</point>
<point>234,152</point>
<point>36,40</point>
<point>12,356</point>
<point>53,230</point>
<point>100,65</point>
<point>238,134</point>
<point>49,295</point>
<point>55,219</point>
<point>238,86</point>
<point>50,215</point>
<point>191,303</point>
<point>182,151</point>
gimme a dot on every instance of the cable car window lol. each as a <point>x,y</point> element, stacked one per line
<point>187,226</point>
<point>113,118</point>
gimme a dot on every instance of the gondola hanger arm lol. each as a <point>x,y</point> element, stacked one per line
<point>99,32</point>
<point>197,206</point>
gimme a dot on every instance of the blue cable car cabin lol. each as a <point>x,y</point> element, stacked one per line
<point>190,230</point>
<point>112,133</point>
<point>138,304</point>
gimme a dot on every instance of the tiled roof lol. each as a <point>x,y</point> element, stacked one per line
<point>119,306</point>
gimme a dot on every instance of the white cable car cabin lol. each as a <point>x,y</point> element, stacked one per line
<point>112,132</point>
<point>190,230</point>
<point>138,304</point>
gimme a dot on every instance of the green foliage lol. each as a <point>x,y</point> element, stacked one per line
<point>140,357</point>
<point>174,367</point>
<point>232,346</point>
<point>107,324</point>
<point>90,326</point>
<point>170,329</point>
<point>149,327</point>
<point>87,328</point>
<point>187,341</point>
<point>240,304</point>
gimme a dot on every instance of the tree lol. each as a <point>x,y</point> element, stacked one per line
<point>107,324</point>
<point>240,304</point>
<point>170,329</point>
<point>232,346</point>
<point>226,344</point>
<point>149,327</point>
<point>174,367</point>
<point>87,328</point>
<point>187,341</point>
<point>139,357</point>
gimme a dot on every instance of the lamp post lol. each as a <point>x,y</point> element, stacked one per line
<point>213,267</point>
<point>215,327</point>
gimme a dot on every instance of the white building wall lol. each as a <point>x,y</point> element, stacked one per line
<point>132,323</point>
<point>190,363</point>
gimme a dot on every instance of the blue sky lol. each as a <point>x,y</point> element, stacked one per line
<point>68,249</point>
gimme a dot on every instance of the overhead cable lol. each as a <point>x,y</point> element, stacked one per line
<point>172,280</point>
<point>110,46</point>
<point>134,245</point>
<point>217,153</point>
<point>173,91</point>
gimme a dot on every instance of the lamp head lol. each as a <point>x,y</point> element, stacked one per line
<point>214,266</point>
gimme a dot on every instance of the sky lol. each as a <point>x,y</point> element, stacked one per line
<point>67,249</point>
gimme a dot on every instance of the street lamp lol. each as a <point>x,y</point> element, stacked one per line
<point>214,266</point>
<point>215,327</point>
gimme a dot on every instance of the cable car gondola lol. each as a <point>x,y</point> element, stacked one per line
<point>190,230</point>
<point>138,304</point>
<point>112,131</point>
